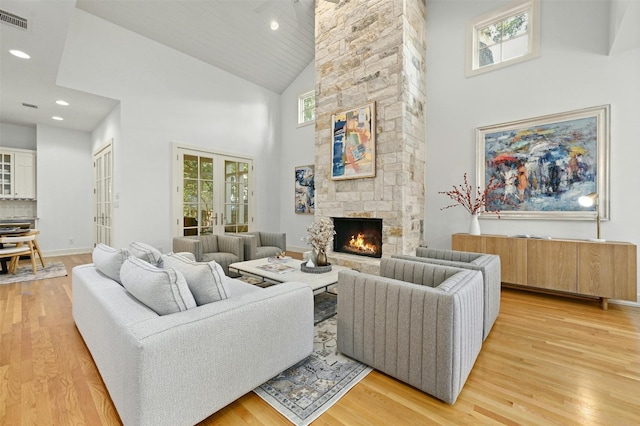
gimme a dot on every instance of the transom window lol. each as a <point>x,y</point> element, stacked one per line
<point>504,37</point>
<point>307,108</point>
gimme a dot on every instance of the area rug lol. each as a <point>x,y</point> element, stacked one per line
<point>25,273</point>
<point>306,390</point>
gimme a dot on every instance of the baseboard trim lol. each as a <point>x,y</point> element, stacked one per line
<point>67,252</point>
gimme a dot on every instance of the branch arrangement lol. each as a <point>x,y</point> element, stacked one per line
<point>483,199</point>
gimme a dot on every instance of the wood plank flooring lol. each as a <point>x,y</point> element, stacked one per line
<point>548,360</point>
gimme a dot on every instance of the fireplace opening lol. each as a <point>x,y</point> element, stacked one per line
<point>360,236</point>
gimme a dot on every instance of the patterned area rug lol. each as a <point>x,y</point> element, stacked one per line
<point>25,273</point>
<point>306,390</point>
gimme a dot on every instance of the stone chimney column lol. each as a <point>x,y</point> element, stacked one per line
<point>374,51</point>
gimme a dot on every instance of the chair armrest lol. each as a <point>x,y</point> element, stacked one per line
<point>186,244</point>
<point>422,273</point>
<point>231,244</point>
<point>274,239</point>
<point>452,255</point>
<point>250,244</point>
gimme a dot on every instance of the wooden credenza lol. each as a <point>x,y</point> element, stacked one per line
<point>606,270</point>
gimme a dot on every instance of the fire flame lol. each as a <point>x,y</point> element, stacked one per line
<point>357,243</point>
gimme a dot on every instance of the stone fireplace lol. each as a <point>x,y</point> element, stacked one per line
<point>359,236</point>
<point>373,51</point>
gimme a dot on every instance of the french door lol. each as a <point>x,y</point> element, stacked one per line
<point>214,193</point>
<point>103,193</point>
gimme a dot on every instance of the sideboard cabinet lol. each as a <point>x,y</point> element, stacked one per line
<point>606,270</point>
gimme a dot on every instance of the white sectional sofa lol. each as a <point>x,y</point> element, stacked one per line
<point>179,368</point>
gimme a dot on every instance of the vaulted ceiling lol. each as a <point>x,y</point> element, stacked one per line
<point>233,35</point>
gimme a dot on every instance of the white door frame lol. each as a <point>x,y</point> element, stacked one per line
<point>178,152</point>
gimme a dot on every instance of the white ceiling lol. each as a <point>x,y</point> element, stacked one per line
<point>233,35</point>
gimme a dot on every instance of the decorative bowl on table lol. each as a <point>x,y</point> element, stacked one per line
<point>315,269</point>
<point>279,259</point>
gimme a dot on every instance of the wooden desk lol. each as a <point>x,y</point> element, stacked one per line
<point>606,270</point>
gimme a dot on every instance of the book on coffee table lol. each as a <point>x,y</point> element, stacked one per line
<point>276,268</point>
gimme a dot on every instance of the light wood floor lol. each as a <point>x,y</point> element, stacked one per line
<point>548,360</point>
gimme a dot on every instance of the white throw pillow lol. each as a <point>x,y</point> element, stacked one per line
<point>163,290</point>
<point>206,280</point>
<point>145,252</point>
<point>109,260</point>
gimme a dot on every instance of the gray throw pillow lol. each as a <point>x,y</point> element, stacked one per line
<point>163,290</point>
<point>109,260</point>
<point>145,252</point>
<point>206,280</point>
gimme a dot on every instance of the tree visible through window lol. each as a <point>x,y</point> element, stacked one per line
<point>504,36</point>
<point>307,108</point>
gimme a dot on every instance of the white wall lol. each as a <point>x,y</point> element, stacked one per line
<point>14,136</point>
<point>298,147</point>
<point>572,72</point>
<point>168,97</point>
<point>65,190</point>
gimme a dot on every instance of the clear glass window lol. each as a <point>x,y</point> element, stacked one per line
<point>504,37</point>
<point>307,108</point>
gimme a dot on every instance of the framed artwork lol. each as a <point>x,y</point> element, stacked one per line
<point>546,163</point>
<point>304,190</point>
<point>353,143</point>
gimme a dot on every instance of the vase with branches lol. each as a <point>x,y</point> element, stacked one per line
<point>477,200</point>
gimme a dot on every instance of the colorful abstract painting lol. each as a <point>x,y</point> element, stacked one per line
<point>353,145</point>
<point>545,164</point>
<point>304,190</point>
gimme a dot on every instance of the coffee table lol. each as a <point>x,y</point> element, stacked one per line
<point>289,270</point>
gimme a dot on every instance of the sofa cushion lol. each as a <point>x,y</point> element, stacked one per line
<point>109,260</point>
<point>145,252</point>
<point>206,280</point>
<point>163,290</point>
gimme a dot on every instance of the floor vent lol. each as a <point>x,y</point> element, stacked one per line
<point>13,20</point>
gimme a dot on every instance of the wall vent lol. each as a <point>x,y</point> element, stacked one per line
<point>30,105</point>
<point>13,20</point>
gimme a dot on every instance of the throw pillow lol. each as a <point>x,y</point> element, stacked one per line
<point>163,290</point>
<point>145,252</point>
<point>109,260</point>
<point>206,280</point>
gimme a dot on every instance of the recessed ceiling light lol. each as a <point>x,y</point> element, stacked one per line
<point>274,25</point>
<point>19,54</point>
<point>63,103</point>
<point>55,117</point>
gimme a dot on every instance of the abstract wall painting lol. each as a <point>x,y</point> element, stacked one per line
<point>546,163</point>
<point>353,144</point>
<point>304,190</point>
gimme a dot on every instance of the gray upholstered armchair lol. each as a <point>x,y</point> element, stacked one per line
<point>488,264</point>
<point>258,244</point>
<point>417,322</point>
<point>224,249</point>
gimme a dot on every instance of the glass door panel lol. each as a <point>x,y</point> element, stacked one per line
<point>103,169</point>
<point>236,196</point>
<point>197,195</point>
<point>213,193</point>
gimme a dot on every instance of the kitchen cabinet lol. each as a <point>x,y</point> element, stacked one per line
<point>17,174</point>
